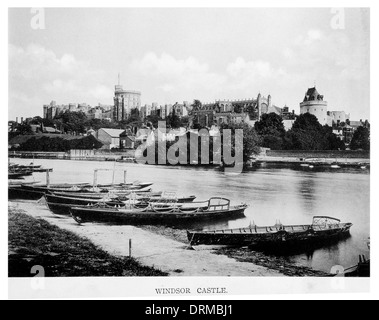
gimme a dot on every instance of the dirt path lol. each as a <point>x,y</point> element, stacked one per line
<point>148,248</point>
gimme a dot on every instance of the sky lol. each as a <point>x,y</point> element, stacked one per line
<point>182,54</point>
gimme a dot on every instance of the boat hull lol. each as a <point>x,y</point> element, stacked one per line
<point>19,192</point>
<point>269,240</point>
<point>85,214</point>
<point>62,205</point>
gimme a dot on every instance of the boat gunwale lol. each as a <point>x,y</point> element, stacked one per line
<point>274,229</point>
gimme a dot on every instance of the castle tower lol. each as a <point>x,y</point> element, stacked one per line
<point>45,110</point>
<point>124,102</point>
<point>314,104</point>
<point>259,103</point>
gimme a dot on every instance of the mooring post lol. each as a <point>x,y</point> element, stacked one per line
<point>47,178</point>
<point>114,171</point>
<point>130,248</point>
<point>125,176</point>
<point>94,179</point>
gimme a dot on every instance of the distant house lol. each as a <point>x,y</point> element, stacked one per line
<point>356,124</point>
<point>109,137</point>
<point>51,130</point>
<point>127,140</point>
<point>36,128</point>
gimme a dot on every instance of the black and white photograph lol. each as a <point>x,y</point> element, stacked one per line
<point>163,144</point>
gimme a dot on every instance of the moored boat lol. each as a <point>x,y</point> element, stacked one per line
<point>162,213</point>
<point>19,174</point>
<point>30,191</point>
<point>62,205</point>
<point>322,229</point>
<point>361,270</point>
<point>99,194</point>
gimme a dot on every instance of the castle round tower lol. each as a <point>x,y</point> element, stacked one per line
<point>314,104</point>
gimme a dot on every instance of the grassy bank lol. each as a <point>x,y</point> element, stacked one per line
<point>62,254</point>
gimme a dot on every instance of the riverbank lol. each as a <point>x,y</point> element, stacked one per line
<point>279,264</point>
<point>346,159</point>
<point>35,242</point>
<point>149,248</point>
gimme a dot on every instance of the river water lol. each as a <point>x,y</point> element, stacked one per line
<point>291,194</point>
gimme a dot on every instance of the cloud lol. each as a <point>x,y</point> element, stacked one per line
<point>312,36</point>
<point>177,77</point>
<point>325,56</point>
<point>257,68</point>
<point>45,76</point>
<point>315,34</point>
<point>168,67</point>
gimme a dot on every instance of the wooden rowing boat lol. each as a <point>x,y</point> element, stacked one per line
<point>29,191</point>
<point>19,174</point>
<point>123,195</point>
<point>61,204</point>
<point>36,191</point>
<point>322,228</point>
<point>214,208</point>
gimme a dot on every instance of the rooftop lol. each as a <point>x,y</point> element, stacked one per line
<point>114,133</point>
<point>312,95</point>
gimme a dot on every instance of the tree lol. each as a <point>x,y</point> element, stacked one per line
<point>154,119</point>
<point>250,139</point>
<point>361,139</point>
<point>308,134</point>
<point>184,121</point>
<point>24,128</point>
<point>252,111</point>
<point>196,105</point>
<point>271,129</point>
<point>271,141</point>
<point>71,121</point>
<point>332,142</point>
<point>238,108</point>
<point>173,120</point>
<point>36,120</point>
<point>196,124</point>
<point>134,118</point>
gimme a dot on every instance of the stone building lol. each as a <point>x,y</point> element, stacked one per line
<point>314,103</point>
<point>124,102</point>
<point>233,111</point>
<point>337,117</point>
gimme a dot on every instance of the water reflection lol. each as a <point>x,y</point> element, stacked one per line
<point>307,190</point>
<point>290,194</point>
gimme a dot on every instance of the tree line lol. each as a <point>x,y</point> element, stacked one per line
<point>306,134</point>
<point>269,132</point>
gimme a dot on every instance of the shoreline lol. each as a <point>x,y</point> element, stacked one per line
<point>321,163</point>
<point>279,264</point>
<point>166,249</point>
<point>148,249</point>
<point>35,244</point>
